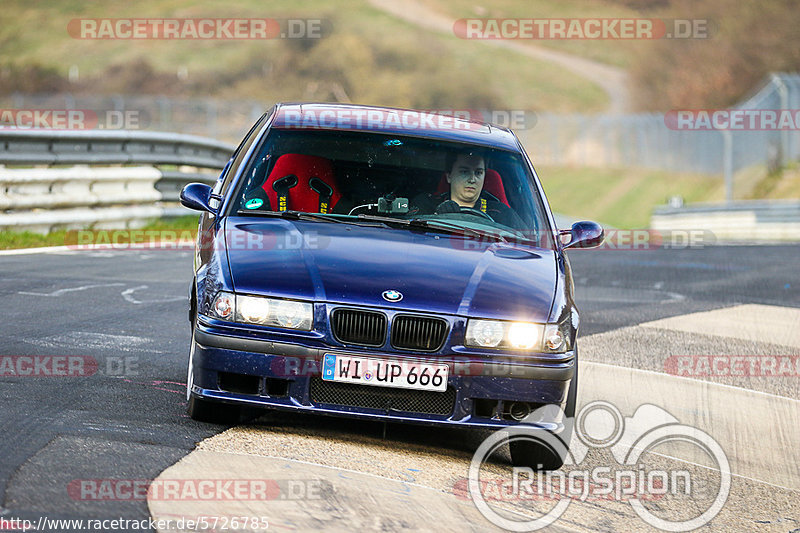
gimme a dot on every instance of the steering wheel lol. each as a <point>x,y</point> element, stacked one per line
<point>476,212</point>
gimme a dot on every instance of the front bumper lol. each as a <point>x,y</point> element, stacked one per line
<point>235,368</point>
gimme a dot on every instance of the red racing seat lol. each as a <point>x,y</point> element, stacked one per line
<point>302,183</point>
<point>492,183</point>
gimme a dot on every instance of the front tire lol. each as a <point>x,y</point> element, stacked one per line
<point>213,412</point>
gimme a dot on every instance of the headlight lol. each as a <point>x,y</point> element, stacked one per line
<point>264,311</point>
<point>295,315</point>
<point>524,335</point>
<point>529,336</point>
<point>252,310</point>
<point>488,333</point>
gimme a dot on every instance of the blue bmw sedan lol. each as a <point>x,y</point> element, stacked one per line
<point>383,264</point>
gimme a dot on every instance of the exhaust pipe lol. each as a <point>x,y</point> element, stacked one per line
<point>519,410</point>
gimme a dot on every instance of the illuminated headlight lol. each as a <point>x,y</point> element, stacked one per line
<point>252,310</point>
<point>501,334</point>
<point>272,312</point>
<point>524,335</point>
<point>528,336</point>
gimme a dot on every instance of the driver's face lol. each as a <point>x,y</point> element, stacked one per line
<point>466,179</point>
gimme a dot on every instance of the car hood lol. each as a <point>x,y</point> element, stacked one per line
<point>349,264</point>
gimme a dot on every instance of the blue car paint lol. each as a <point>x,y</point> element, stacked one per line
<point>435,273</point>
<point>352,265</point>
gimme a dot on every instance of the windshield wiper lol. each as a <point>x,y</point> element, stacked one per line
<point>385,220</point>
<point>320,217</point>
<point>435,225</point>
<point>509,238</point>
<point>450,227</point>
<point>296,215</point>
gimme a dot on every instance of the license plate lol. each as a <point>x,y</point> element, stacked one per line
<point>404,374</point>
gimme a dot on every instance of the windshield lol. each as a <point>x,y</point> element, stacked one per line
<point>365,176</point>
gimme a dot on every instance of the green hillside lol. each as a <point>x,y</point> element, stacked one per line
<point>367,56</point>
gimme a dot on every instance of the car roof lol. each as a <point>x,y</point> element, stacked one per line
<point>427,124</point>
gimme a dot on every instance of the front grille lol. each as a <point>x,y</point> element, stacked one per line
<point>353,326</point>
<point>383,398</point>
<point>418,333</point>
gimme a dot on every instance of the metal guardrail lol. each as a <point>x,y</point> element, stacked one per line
<point>756,220</point>
<point>43,198</point>
<point>81,186</point>
<point>69,147</point>
<point>172,181</point>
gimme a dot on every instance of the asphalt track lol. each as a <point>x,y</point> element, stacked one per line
<point>126,311</point>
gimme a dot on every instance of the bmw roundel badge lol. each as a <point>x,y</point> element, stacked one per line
<point>392,295</point>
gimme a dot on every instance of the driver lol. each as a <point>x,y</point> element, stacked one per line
<point>465,172</point>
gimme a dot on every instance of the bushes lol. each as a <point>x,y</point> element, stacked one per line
<point>30,79</point>
<point>747,41</point>
<point>417,71</point>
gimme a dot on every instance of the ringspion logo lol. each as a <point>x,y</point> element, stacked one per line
<point>630,478</point>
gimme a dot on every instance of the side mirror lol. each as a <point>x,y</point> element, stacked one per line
<point>585,234</point>
<point>197,196</point>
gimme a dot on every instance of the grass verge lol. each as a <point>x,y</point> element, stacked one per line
<point>625,197</point>
<point>10,240</point>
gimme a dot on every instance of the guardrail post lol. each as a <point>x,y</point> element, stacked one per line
<point>783,93</point>
<point>727,164</point>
